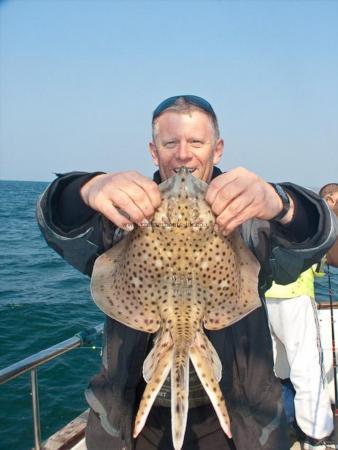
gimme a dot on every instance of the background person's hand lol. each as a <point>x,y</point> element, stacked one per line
<point>240,195</point>
<point>124,198</point>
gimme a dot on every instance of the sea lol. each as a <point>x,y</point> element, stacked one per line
<point>43,301</point>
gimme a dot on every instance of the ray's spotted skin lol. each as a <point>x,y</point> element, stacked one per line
<point>172,278</point>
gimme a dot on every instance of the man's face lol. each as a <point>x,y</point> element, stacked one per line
<point>185,139</point>
<point>332,200</point>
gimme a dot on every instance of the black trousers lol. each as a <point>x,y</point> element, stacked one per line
<point>251,391</point>
<point>203,432</point>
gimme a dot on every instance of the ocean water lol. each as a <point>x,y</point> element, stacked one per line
<point>325,282</point>
<point>43,301</point>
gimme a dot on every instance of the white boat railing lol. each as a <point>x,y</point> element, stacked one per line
<point>31,363</point>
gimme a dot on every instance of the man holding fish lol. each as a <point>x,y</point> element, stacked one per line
<point>287,228</point>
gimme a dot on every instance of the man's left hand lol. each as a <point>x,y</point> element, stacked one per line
<point>240,195</point>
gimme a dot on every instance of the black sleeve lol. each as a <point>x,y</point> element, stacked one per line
<point>285,251</point>
<point>67,207</point>
<point>78,233</point>
<point>305,219</point>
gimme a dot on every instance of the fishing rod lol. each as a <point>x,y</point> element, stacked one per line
<point>333,343</point>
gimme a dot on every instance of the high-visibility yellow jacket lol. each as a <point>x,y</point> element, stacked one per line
<point>304,285</point>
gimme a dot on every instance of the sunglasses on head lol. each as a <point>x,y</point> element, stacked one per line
<point>194,100</point>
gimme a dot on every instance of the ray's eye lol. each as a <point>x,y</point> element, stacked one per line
<point>195,213</point>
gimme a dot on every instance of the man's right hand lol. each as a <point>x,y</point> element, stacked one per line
<point>124,198</point>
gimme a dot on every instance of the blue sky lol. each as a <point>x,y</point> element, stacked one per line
<point>80,78</point>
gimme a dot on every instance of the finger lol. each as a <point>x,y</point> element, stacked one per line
<point>225,196</point>
<point>215,185</point>
<point>227,178</point>
<point>238,212</point>
<point>140,199</point>
<point>122,200</point>
<point>150,188</point>
<point>118,219</point>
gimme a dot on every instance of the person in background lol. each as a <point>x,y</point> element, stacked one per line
<point>326,293</point>
<point>287,227</point>
<point>330,263</point>
<point>295,334</point>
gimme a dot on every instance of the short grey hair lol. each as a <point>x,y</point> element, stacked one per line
<point>328,189</point>
<point>182,105</point>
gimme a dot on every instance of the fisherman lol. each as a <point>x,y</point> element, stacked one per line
<point>287,227</point>
<point>330,263</point>
<point>295,335</point>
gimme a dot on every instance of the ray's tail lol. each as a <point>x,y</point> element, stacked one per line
<point>179,395</point>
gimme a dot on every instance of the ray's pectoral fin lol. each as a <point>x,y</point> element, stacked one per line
<point>207,365</point>
<point>119,292</point>
<point>234,299</point>
<point>156,368</point>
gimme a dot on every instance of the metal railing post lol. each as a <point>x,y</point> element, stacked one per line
<point>36,409</point>
<point>34,361</point>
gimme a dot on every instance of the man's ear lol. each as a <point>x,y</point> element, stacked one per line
<point>154,153</point>
<point>218,151</point>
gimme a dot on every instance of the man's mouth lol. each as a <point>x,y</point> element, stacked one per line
<point>191,169</point>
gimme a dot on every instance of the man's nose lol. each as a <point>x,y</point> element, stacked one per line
<point>183,152</point>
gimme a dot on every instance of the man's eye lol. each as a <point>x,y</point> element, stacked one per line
<point>196,143</point>
<point>170,144</point>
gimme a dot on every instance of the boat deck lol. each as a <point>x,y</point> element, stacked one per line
<point>71,437</point>
<point>81,445</point>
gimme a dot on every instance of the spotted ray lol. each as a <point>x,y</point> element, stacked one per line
<point>172,278</point>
